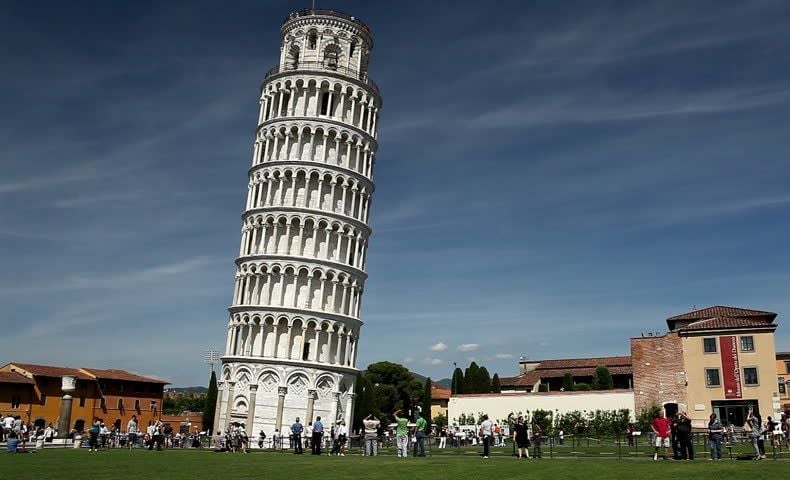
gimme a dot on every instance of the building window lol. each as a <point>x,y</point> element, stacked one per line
<point>747,344</point>
<point>712,378</point>
<point>43,399</point>
<point>782,386</point>
<point>103,403</point>
<point>15,401</point>
<point>709,345</point>
<point>82,401</point>
<point>312,39</point>
<point>750,376</point>
<point>787,366</point>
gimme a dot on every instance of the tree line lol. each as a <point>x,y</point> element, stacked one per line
<point>474,379</point>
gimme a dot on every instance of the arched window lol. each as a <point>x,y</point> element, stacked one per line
<point>331,56</point>
<point>103,403</point>
<point>292,59</point>
<point>312,39</point>
<point>325,103</point>
<point>352,48</point>
<point>137,405</point>
<point>120,404</point>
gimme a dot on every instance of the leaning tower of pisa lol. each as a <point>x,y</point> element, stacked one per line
<point>294,320</point>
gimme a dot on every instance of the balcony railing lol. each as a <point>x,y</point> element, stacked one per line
<point>331,13</point>
<point>324,67</point>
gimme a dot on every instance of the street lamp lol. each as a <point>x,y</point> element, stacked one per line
<point>211,358</point>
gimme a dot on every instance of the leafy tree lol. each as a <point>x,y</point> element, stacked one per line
<point>391,387</point>
<point>567,382</point>
<point>496,386</point>
<point>543,387</point>
<point>440,420</point>
<point>426,400</point>
<point>365,404</point>
<point>483,381</point>
<point>211,403</point>
<point>645,417</point>
<point>457,385</point>
<point>602,379</point>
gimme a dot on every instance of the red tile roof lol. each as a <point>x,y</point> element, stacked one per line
<point>726,322</point>
<point>578,367</point>
<point>14,377</point>
<point>721,311</point>
<point>51,371</point>
<point>439,393</point>
<point>113,374</point>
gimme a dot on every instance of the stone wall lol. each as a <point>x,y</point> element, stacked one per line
<point>659,374</point>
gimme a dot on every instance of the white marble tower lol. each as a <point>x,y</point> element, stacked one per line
<point>294,320</point>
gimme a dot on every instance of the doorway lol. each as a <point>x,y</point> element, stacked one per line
<point>670,409</point>
<point>733,412</point>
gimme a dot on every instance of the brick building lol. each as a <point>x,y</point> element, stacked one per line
<point>34,392</point>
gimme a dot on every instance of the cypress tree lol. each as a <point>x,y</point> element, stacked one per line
<point>471,376</point>
<point>457,385</point>
<point>567,382</point>
<point>483,381</point>
<point>496,387</point>
<point>211,403</point>
<point>602,379</point>
<point>426,400</point>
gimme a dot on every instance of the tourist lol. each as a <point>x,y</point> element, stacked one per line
<point>318,433</point>
<point>296,433</point>
<point>521,437</point>
<point>684,437</point>
<point>219,443</point>
<point>12,443</point>
<point>308,434</point>
<point>371,429</point>
<point>401,434</point>
<point>661,426</point>
<point>104,434</point>
<point>49,433</point>
<point>131,432</point>
<point>341,436</point>
<point>261,438</point>
<point>244,441</point>
<point>93,443</point>
<point>715,431</point>
<point>443,438</point>
<point>537,436</point>
<point>419,437</point>
<point>486,432</point>
<point>629,433</point>
<point>770,426</point>
<point>753,426</point>
<point>561,437</point>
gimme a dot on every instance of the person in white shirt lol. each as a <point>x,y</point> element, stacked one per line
<point>49,433</point>
<point>486,431</point>
<point>131,431</point>
<point>308,434</point>
<point>341,434</point>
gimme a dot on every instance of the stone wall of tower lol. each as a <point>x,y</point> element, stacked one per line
<point>295,316</point>
<point>659,373</point>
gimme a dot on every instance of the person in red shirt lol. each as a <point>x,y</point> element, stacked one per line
<point>661,427</point>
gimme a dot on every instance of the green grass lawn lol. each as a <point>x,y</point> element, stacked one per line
<point>67,464</point>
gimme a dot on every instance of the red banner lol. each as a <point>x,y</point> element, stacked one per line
<point>730,367</point>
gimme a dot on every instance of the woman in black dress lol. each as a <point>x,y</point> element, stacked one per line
<point>521,438</point>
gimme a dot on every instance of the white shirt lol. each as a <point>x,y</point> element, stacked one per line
<point>308,430</point>
<point>9,421</point>
<point>486,426</point>
<point>340,430</point>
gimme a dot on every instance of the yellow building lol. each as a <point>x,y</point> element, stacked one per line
<point>783,380</point>
<point>715,360</point>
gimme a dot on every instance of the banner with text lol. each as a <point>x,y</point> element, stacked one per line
<point>730,367</point>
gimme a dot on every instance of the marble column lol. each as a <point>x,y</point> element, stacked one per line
<point>68,386</point>
<point>218,408</point>
<point>311,394</point>
<point>251,410</point>
<point>229,404</point>
<point>278,423</point>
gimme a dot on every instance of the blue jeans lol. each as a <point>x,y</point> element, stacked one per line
<point>715,447</point>
<point>419,444</point>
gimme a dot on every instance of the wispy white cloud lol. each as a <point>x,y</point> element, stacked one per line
<point>438,347</point>
<point>503,356</point>
<point>468,347</point>
<point>433,361</point>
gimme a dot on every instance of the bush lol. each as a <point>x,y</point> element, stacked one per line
<point>543,387</point>
<point>582,387</point>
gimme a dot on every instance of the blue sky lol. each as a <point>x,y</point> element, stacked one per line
<point>552,179</point>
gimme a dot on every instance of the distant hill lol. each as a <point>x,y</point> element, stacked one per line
<point>198,390</point>
<point>444,383</point>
